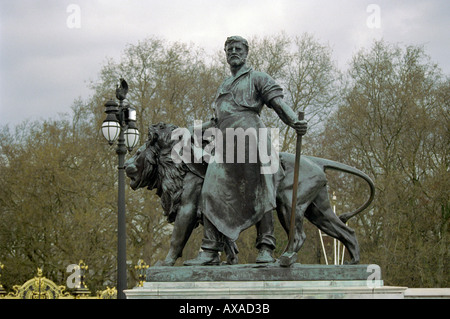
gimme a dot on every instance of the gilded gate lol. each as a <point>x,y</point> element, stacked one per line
<point>40,287</point>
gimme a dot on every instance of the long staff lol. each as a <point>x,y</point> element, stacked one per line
<point>290,256</point>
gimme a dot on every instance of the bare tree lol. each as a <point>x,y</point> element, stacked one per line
<point>393,124</point>
<point>305,69</point>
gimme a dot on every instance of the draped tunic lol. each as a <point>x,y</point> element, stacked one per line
<point>235,194</point>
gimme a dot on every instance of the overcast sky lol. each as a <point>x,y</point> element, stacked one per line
<point>50,49</point>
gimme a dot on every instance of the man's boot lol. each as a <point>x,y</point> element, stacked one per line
<point>265,240</point>
<point>265,255</point>
<point>206,257</point>
<point>212,244</point>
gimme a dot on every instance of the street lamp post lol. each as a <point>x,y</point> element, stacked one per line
<point>120,125</point>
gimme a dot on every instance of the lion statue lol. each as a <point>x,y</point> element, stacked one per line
<point>179,186</point>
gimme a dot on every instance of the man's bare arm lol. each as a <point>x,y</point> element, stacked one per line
<point>288,116</point>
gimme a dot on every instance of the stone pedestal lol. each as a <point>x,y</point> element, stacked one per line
<point>264,290</point>
<point>264,282</point>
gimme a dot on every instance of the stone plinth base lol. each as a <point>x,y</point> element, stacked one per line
<point>267,281</point>
<point>264,290</point>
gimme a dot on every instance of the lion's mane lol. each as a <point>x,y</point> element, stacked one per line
<point>170,175</point>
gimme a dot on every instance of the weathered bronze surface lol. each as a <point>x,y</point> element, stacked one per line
<point>179,186</point>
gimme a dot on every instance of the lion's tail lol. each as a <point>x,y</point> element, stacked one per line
<point>329,164</point>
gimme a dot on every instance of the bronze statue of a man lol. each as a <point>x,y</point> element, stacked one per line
<point>235,194</point>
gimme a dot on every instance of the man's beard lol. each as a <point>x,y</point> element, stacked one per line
<point>233,62</point>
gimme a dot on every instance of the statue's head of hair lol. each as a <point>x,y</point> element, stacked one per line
<point>236,38</point>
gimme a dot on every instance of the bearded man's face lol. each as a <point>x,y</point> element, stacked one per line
<point>236,54</point>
